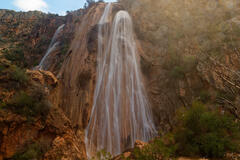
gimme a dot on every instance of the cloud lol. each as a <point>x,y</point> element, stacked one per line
<point>62,13</point>
<point>31,5</point>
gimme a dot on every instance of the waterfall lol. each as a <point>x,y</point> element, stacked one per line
<point>53,45</point>
<point>121,112</point>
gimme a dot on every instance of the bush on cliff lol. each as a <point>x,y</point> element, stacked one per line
<point>102,155</point>
<point>15,55</point>
<point>14,76</point>
<point>19,75</point>
<point>30,104</point>
<point>160,148</point>
<point>21,96</point>
<point>200,133</point>
<point>179,65</point>
<point>206,133</point>
<point>31,151</point>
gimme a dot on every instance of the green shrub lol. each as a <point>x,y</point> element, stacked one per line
<point>15,55</point>
<point>160,148</point>
<point>206,133</point>
<point>19,75</point>
<point>180,65</point>
<point>44,41</point>
<point>102,155</point>
<point>16,77</point>
<point>1,39</point>
<point>2,68</point>
<point>29,105</point>
<point>204,96</point>
<point>1,104</point>
<point>32,151</point>
<point>29,99</point>
<point>177,72</point>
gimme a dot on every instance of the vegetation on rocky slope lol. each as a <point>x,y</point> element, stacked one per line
<point>25,36</point>
<point>31,151</point>
<point>31,127</point>
<point>208,133</point>
<point>200,132</point>
<point>192,47</point>
<point>19,94</point>
<point>178,27</point>
<point>191,54</point>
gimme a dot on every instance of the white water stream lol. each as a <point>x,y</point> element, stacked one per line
<point>121,112</point>
<point>43,65</point>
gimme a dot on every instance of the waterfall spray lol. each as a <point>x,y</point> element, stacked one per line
<point>53,45</point>
<point>121,113</point>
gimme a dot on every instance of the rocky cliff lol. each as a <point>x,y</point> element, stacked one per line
<point>26,36</point>
<point>180,65</point>
<point>78,72</point>
<point>191,53</point>
<point>74,64</point>
<point>31,127</point>
<point>52,139</point>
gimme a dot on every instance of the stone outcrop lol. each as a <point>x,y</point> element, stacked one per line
<point>74,64</point>
<point>78,72</point>
<point>168,86</point>
<point>56,132</point>
<point>28,34</point>
<point>45,78</point>
<point>53,134</point>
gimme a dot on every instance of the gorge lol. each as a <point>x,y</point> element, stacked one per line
<point>122,80</point>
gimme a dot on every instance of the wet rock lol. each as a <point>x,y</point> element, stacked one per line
<point>43,77</point>
<point>56,131</point>
<point>232,156</point>
<point>127,154</point>
<point>139,144</point>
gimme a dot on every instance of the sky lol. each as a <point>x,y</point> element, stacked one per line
<point>53,6</point>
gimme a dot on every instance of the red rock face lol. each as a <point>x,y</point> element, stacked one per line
<point>54,133</point>
<point>77,75</point>
<point>75,70</point>
<point>28,33</point>
<point>73,92</point>
<point>78,72</point>
<point>155,24</point>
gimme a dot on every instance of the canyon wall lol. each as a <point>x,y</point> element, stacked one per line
<point>77,75</point>
<point>191,53</point>
<point>179,62</point>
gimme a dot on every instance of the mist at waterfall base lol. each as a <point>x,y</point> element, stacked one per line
<point>44,63</point>
<point>121,112</point>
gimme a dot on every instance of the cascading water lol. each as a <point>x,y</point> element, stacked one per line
<point>120,113</point>
<point>53,45</point>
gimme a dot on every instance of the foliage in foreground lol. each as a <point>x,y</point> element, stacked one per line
<point>15,76</point>
<point>29,99</point>
<point>102,155</point>
<point>206,133</point>
<point>31,151</point>
<point>28,104</point>
<point>200,133</point>
<point>158,149</point>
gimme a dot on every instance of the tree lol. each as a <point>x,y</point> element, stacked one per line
<point>88,3</point>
